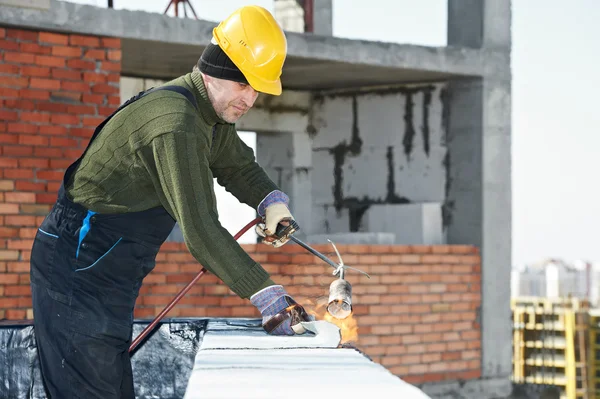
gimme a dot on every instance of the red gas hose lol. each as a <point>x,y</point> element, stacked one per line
<point>166,310</point>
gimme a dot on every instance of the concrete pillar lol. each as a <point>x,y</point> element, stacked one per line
<point>478,208</point>
<point>287,158</point>
<point>323,18</point>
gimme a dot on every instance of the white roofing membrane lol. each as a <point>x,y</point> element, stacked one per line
<point>237,359</point>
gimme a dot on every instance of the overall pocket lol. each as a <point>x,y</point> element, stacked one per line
<point>43,251</point>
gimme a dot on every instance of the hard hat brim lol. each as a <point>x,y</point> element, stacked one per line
<point>273,88</point>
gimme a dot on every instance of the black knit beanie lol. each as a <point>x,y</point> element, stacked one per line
<point>214,62</point>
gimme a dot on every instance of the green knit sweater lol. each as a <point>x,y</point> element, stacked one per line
<point>160,151</point>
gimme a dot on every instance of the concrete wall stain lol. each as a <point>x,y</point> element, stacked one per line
<point>425,127</point>
<point>392,197</point>
<point>448,205</point>
<point>409,128</point>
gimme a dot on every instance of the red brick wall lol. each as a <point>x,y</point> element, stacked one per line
<point>417,315</point>
<point>54,88</point>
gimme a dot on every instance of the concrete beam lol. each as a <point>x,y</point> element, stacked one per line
<point>160,46</point>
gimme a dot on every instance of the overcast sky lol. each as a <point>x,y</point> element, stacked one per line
<point>556,80</point>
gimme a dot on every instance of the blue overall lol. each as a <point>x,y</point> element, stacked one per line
<point>86,272</point>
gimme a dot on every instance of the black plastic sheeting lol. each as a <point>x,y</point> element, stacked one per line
<point>161,364</point>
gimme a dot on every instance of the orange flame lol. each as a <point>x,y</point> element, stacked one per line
<point>348,326</point>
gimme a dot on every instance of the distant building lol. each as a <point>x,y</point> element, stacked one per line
<point>554,278</point>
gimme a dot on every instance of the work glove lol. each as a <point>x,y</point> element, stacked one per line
<point>281,315</point>
<point>275,214</point>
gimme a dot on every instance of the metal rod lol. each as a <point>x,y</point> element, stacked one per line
<point>166,310</point>
<point>314,252</point>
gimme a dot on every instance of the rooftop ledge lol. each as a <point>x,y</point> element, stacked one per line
<point>219,358</point>
<point>163,47</point>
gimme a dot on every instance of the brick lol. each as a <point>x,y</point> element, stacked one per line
<point>49,175</point>
<point>64,119</point>
<point>8,115</point>
<point>110,66</point>
<point>27,105</point>
<point>8,254</point>
<point>9,69</point>
<point>63,142</point>
<point>76,63</point>
<point>66,51</point>
<point>94,77</point>
<point>17,290</point>
<point>109,42</point>
<point>87,41</point>
<point>34,48</point>
<point>9,232</point>
<point>22,35</point>
<point>391,259</point>
<point>6,162</point>
<point>19,58</point>
<point>35,117</point>
<point>114,55</point>
<point>2,34</point>
<point>15,314</point>
<point>66,74</point>
<point>26,302</point>
<point>34,94</point>
<point>113,78</point>
<point>19,197</point>
<point>93,98</point>
<point>38,71</point>
<point>102,88</point>
<point>18,173</point>
<point>9,92</point>
<point>92,121</point>
<point>20,220</point>
<point>9,302</point>
<point>95,54</point>
<point>71,153</point>
<point>9,45</point>
<point>75,86</point>
<point>19,267</point>
<point>45,198</point>
<point>53,38</point>
<point>53,130</point>
<point>50,61</point>
<point>34,140</point>
<point>14,81</point>
<point>47,106</point>
<point>39,83</point>
<point>81,109</point>
<point>7,185</point>
<point>116,101</point>
<point>463,249</point>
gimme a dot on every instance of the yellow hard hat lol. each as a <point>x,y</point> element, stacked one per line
<point>256,44</point>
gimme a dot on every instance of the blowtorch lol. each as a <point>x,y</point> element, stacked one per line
<point>339,304</point>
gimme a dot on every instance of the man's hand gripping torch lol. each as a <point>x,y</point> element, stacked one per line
<point>339,304</point>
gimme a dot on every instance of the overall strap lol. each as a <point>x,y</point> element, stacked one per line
<point>177,89</point>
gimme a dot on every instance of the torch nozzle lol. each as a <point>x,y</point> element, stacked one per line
<point>340,299</point>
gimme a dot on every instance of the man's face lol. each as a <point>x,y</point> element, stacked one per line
<point>230,99</point>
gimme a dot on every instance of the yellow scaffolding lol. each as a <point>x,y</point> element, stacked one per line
<point>550,344</point>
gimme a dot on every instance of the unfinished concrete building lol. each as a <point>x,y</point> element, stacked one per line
<point>402,153</point>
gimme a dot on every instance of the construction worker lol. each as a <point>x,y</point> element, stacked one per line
<point>147,166</point>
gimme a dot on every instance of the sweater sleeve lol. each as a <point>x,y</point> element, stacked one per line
<point>236,169</point>
<point>184,181</point>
